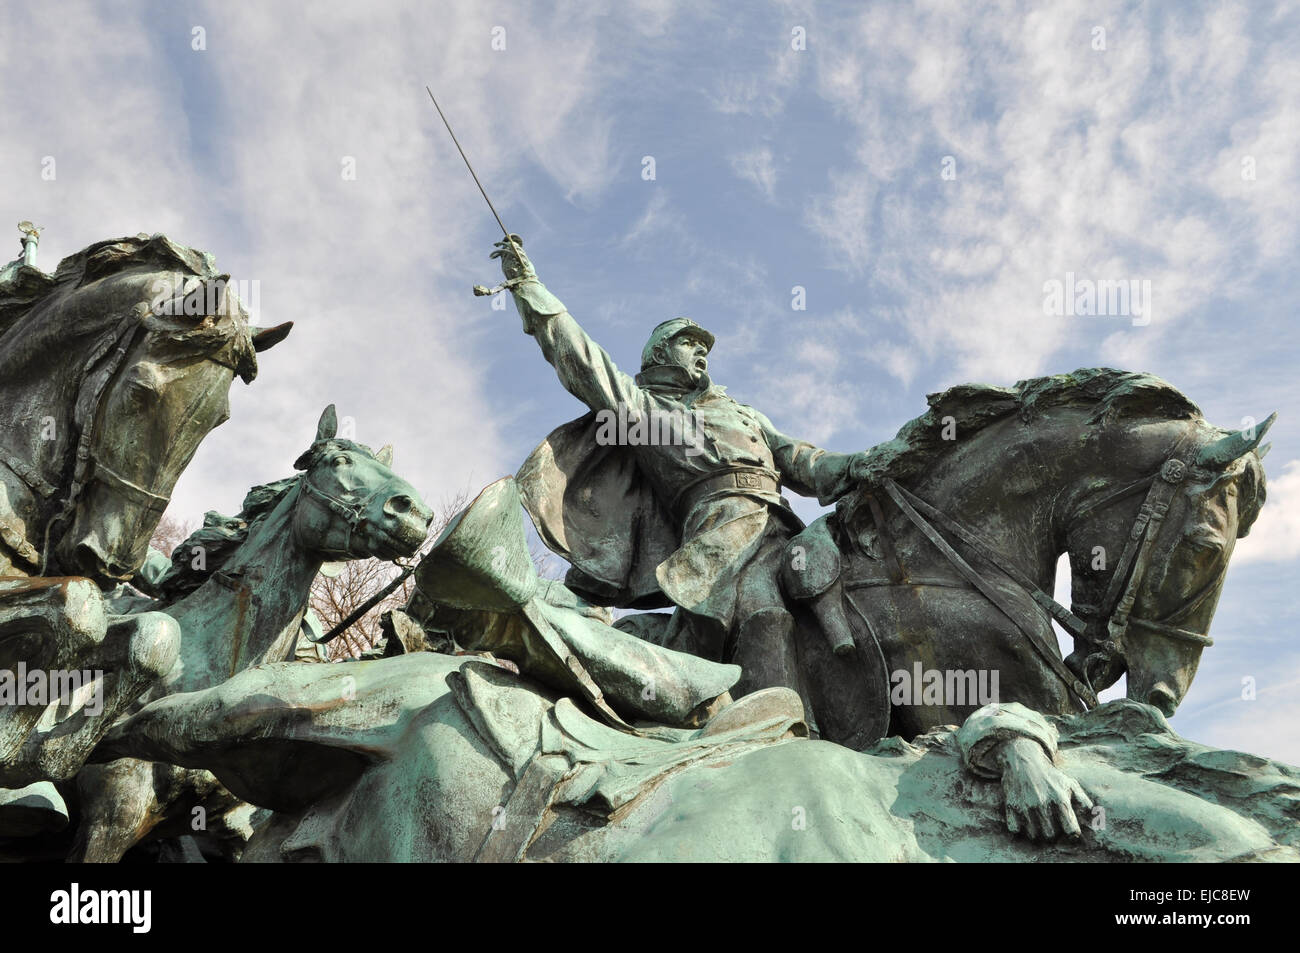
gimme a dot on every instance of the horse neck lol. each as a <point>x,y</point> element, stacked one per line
<point>277,567</point>
<point>42,359</point>
<point>1013,484</point>
<point>252,608</point>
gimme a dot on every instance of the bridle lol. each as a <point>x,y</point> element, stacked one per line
<point>353,514</point>
<point>1115,609</point>
<point>119,343</point>
<point>86,465</point>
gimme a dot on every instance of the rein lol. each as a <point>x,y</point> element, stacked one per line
<point>1121,593</point>
<point>909,502</point>
<point>118,344</point>
<point>122,337</point>
<point>352,513</point>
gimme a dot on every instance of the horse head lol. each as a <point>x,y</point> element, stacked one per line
<point>1149,603</point>
<point>120,365</point>
<point>356,506</point>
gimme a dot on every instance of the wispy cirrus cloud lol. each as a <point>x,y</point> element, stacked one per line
<point>756,166</point>
<point>1098,141</point>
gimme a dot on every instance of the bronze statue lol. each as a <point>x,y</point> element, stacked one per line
<point>686,511</point>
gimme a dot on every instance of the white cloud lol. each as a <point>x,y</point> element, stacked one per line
<point>1262,725</point>
<point>756,167</point>
<point>1108,163</point>
<point>761,92</point>
<point>1276,534</point>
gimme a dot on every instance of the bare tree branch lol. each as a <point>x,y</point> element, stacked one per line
<point>334,599</point>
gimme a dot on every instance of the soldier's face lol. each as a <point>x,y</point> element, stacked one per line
<point>690,352</point>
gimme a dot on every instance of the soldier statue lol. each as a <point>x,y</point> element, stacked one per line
<point>698,523</point>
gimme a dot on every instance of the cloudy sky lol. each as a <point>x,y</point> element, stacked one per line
<point>919,171</point>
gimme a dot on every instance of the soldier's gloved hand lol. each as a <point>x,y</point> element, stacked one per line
<point>532,299</point>
<point>860,467</point>
<point>514,263</point>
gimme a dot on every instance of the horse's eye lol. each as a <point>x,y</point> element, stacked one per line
<point>341,460</point>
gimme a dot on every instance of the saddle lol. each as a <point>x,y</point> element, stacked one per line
<point>561,757</point>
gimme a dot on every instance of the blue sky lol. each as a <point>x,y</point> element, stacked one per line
<point>774,167</point>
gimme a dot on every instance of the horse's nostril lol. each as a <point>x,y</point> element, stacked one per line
<point>398,505</point>
<point>1162,699</point>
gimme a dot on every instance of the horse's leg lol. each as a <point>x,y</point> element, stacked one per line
<point>194,804</point>
<point>118,808</point>
<point>955,636</point>
<point>231,831</point>
<point>46,626</point>
<point>136,652</point>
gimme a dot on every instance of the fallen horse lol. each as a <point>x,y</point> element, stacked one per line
<point>429,757</point>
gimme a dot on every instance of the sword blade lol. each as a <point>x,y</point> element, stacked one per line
<point>504,230</point>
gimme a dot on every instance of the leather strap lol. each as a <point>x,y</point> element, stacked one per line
<point>902,500</point>
<point>518,822</point>
<point>1126,580</point>
<point>1060,613</point>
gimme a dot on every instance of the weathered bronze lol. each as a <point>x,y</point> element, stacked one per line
<point>112,369</point>
<point>239,589</point>
<point>687,511</point>
<point>515,720</point>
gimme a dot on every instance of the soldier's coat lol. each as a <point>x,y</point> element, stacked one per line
<point>605,507</point>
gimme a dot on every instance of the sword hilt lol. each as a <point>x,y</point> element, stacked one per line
<point>481,291</point>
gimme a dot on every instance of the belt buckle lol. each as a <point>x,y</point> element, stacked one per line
<point>748,481</point>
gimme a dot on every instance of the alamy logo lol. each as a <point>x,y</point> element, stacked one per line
<point>1107,298</point>
<point>931,686</point>
<point>39,687</point>
<point>629,427</point>
<point>75,905</point>
<point>216,298</point>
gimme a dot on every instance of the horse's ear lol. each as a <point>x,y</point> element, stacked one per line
<point>266,338</point>
<point>328,427</point>
<point>1236,444</point>
<point>385,455</point>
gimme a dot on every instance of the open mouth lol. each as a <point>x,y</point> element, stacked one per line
<point>701,364</point>
<point>386,545</point>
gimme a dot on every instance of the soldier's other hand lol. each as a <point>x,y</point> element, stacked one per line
<point>860,466</point>
<point>514,263</point>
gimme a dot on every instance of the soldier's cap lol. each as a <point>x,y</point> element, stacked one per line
<point>665,331</point>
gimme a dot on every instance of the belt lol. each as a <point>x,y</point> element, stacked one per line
<point>732,478</point>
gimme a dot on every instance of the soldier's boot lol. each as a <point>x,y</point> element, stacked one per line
<point>706,711</point>
<point>828,607</point>
<point>766,653</point>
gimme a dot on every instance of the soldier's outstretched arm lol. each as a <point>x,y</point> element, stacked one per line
<point>584,367</point>
<point>811,471</point>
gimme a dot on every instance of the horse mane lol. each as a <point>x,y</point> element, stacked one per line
<point>221,536</point>
<point>1111,394</point>
<point>30,287</point>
